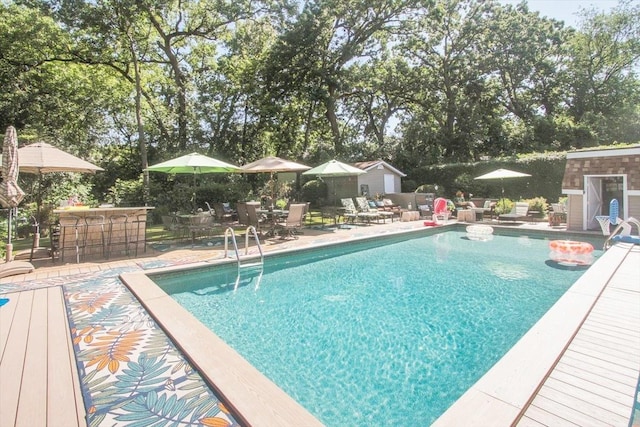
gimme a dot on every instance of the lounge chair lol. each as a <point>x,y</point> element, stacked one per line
<point>366,208</point>
<point>293,222</point>
<point>519,211</point>
<point>350,212</point>
<point>389,206</point>
<point>440,210</point>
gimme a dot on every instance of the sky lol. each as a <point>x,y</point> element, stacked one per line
<point>565,10</point>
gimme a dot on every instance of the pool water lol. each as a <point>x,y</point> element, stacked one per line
<point>383,333</point>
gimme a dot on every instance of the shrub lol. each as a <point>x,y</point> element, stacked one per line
<point>314,191</point>
<point>538,204</point>
<point>504,206</point>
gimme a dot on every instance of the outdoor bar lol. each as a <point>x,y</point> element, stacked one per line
<point>102,232</point>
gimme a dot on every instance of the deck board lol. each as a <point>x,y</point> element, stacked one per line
<point>12,363</point>
<point>34,371</point>
<point>38,376</point>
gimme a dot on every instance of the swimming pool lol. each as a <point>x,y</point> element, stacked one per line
<point>380,333</point>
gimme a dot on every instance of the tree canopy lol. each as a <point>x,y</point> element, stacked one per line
<point>415,82</point>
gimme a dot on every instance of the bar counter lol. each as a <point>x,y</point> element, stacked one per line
<point>103,231</point>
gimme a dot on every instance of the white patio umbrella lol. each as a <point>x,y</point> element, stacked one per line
<point>334,169</point>
<point>273,164</point>
<point>10,193</point>
<point>502,174</point>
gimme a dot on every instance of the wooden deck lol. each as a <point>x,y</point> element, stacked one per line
<point>38,376</point>
<point>594,381</point>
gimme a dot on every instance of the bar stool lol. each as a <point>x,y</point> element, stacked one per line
<point>94,224</point>
<point>117,234</point>
<point>138,234</point>
<point>69,235</point>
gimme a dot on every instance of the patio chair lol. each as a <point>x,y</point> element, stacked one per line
<point>243,216</point>
<point>520,211</point>
<point>252,216</point>
<point>488,207</point>
<point>223,212</point>
<point>170,225</point>
<point>293,222</point>
<point>440,210</point>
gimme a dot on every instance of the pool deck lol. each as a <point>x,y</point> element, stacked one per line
<point>579,365</point>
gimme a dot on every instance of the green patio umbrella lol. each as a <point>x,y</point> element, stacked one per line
<point>194,164</point>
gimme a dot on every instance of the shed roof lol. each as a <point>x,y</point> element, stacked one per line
<point>367,166</point>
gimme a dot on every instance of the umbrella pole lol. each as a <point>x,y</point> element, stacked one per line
<point>9,248</point>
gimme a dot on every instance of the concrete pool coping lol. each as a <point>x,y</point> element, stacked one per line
<point>498,398</point>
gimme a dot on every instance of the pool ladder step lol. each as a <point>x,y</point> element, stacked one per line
<point>249,263</point>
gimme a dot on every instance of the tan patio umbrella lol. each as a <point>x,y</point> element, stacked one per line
<point>40,158</point>
<point>272,164</point>
<point>10,193</point>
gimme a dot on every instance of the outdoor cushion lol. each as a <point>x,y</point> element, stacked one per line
<point>15,267</point>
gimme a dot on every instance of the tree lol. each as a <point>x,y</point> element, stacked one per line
<point>603,95</point>
<point>312,57</point>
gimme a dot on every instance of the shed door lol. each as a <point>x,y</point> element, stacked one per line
<point>389,183</point>
<point>594,202</point>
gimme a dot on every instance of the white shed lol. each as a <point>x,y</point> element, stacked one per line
<point>381,178</point>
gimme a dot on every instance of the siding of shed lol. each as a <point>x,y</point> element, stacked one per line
<point>374,178</point>
<point>576,169</point>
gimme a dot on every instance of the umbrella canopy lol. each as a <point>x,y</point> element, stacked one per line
<point>193,163</point>
<point>40,157</point>
<point>502,174</point>
<point>273,164</point>
<point>10,193</point>
<point>334,168</point>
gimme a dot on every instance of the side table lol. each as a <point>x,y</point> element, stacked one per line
<point>467,215</point>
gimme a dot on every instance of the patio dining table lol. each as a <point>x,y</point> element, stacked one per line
<point>272,216</point>
<point>193,224</point>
